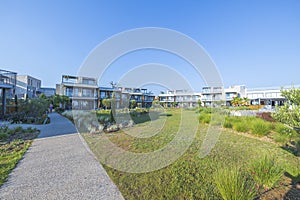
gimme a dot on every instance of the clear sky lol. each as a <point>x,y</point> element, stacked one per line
<point>256,43</point>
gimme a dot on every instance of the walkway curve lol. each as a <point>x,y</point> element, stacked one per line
<point>59,165</point>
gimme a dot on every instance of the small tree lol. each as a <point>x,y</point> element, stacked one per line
<point>289,113</point>
<point>132,104</point>
<point>106,103</point>
<point>199,103</point>
<point>238,101</point>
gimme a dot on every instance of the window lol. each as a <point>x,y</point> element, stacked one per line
<point>87,93</point>
<point>69,92</point>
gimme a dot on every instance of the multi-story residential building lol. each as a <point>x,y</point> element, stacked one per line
<point>266,96</point>
<point>123,95</point>
<point>48,92</point>
<point>234,91</point>
<point>7,88</point>
<point>83,91</point>
<point>27,86</point>
<point>180,98</point>
<point>107,93</point>
<point>212,95</point>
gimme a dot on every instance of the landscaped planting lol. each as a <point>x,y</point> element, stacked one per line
<point>266,172</point>
<point>234,184</point>
<point>13,144</point>
<point>192,177</point>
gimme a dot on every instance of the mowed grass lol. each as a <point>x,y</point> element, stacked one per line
<point>189,177</point>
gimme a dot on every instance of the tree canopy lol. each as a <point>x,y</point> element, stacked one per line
<point>289,113</point>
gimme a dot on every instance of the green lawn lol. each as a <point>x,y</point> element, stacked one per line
<point>189,177</point>
<point>13,144</point>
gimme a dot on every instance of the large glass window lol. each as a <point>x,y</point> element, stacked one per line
<point>69,92</point>
<point>87,93</point>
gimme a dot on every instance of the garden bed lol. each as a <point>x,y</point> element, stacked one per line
<point>13,144</point>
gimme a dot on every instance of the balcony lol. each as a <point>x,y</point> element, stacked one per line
<point>7,79</point>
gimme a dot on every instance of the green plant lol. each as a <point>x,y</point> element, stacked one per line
<point>3,136</point>
<point>260,128</point>
<point>234,184</point>
<point>289,113</point>
<point>227,124</point>
<point>204,118</point>
<point>19,129</point>
<point>241,127</point>
<point>284,130</point>
<point>266,172</point>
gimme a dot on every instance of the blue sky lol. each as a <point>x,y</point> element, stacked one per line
<point>255,43</point>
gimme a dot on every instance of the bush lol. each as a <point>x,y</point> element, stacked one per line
<point>204,110</point>
<point>227,125</point>
<point>266,172</point>
<point>241,127</point>
<point>281,138</point>
<point>19,129</point>
<point>3,136</point>
<point>260,128</point>
<point>284,130</point>
<point>204,118</point>
<point>233,184</point>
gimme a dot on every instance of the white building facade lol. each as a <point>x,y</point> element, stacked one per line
<point>179,98</point>
<point>27,86</point>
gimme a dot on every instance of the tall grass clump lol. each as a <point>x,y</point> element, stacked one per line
<point>234,184</point>
<point>260,127</point>
<point>205,118</point>
<point>266,172</point>
<point>242,126</point>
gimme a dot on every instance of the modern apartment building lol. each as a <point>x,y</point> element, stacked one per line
<point>234,91</point>
<point>211,95</point>
<point>27,86</point>
<point>123,95</point>
<point>82,91</point>
<point>48,92</point>
<point>266,96</point>
<point>180,98</point>
<point>8,81</point>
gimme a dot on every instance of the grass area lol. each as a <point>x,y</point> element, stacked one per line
<point>189,177</point>
<point>13,144</point>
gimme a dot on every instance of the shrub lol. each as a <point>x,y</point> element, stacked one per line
<point>3,136</point>
<point>281,138</point>
<point>260,128</point>
<point>227,124</point>
<point>205,118</point>
<point>204,110</point>
<point>241,127</point>
<point>19,129</point>
<point>284,130</point>
<point>233,184</point>
<point>266,172</point>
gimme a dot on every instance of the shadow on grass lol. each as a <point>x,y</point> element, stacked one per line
<point>145,117</point>
<point>294,192</point>
<point>293,149</point>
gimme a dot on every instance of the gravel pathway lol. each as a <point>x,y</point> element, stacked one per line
<point>59,165</point>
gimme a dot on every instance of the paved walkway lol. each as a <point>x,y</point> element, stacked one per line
<point>59,165</point>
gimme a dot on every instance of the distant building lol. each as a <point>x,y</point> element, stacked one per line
<point>7,88</point>
<point>83,91</point>
<point>48,92</point>
<point>234,91</point>
<point>27,86</point>
<point>212,95</point>
<point>123,95</point>
<point>266,96</point>
<point>180,98</point>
